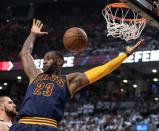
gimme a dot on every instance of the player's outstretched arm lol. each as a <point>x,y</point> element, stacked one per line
<point>76,81</point>
<point>25,54</point>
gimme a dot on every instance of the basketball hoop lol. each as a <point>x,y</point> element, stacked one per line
<point>122,22</point>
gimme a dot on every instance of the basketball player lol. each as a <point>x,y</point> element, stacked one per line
<point>7,113</point>
<point>48,91</point>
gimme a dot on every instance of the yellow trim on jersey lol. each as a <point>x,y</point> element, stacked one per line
<point>103,70</point>
<point>38,121</point>
<point>39,118</point>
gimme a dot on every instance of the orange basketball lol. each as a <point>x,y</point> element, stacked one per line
<point>75,39</point>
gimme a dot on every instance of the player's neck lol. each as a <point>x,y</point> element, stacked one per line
<point>5,118</point>
<point>57,72</point>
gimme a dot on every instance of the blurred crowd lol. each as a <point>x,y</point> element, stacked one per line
<point>57,18</point>
<point>95,113</point>
<point>125,121</point>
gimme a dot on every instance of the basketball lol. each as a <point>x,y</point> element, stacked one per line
<point>75,39</point>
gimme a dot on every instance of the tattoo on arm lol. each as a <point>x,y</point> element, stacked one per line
<point>28,44</point>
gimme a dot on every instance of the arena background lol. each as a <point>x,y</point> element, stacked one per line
<point>127,99</point>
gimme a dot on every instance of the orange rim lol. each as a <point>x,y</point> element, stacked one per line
<point>121,5</point>
<point>117,5</point>
<point>126,20</point>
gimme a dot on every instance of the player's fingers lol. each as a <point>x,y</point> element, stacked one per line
<point>41,25</point>
<point>38,22</point>
<point>140,42</point>
<point>44,33</point>
<point>34,21</point>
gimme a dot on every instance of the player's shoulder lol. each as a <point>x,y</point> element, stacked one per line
<point>73,74</point>
<point>38,74</point>
<point>3,126</point>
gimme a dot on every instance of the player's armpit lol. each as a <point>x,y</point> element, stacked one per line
<point>76,81</point>
<point>103,70</point>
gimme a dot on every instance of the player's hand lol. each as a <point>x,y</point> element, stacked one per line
<point>36,28</point>
<point>130,50</point>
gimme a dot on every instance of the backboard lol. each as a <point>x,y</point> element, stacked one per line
<point>148,9</point>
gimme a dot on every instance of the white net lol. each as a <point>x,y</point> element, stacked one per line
<point>127,29</point>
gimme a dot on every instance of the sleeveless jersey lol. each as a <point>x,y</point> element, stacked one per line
<point>46,97</point>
